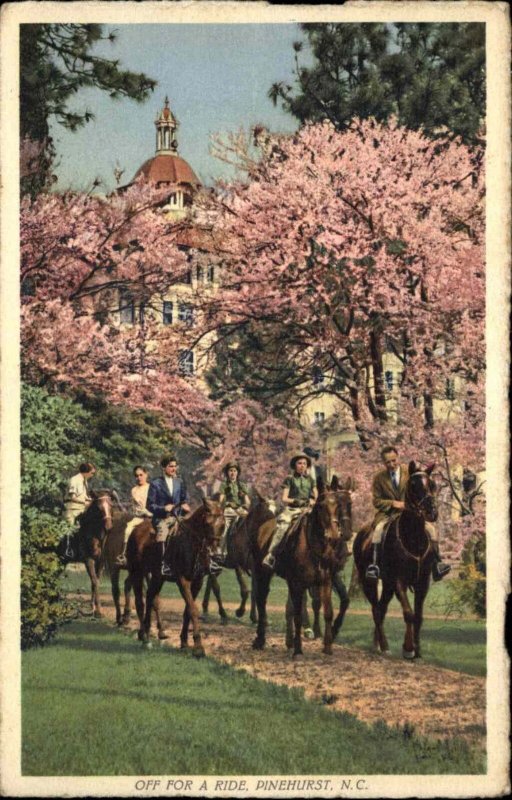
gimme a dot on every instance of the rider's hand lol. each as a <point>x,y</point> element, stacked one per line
<point>399,504</point>
<point>311,502</point>
<point>169,507</point>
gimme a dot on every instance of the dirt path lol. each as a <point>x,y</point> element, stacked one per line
<point>438,702</point>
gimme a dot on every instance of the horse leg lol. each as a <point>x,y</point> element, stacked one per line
<point>185,587</point>
<point>253,616</point>
<point>261,586</point>
<point>216,592</point>
<point>387,594</point>
<point>341,591</point>
<point>137,579</point>
<point>116,593</point>
<point>289,622</point>
<point>159,624</point>
<point>127,600</point>
<point>244,592</point>
<point>326,595</point>
<point>408,645</point>
<point>297,595</point>
<point>95,595</point>
<point>316,604</point>
<point>206,596</point>
<point>155,585</point>
<point>419,599</point>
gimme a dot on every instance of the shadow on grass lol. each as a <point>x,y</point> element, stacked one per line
<point>155,695</point>
<point>454,635</point>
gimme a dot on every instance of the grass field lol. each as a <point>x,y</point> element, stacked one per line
<point>451,641</point>
<point>96,703</point>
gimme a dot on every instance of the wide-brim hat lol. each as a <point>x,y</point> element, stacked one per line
<point>231,465</point>
<point>296,458</point>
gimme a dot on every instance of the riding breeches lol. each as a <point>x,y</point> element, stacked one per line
<point>72,511</point>
<point>430,528</point>
<point>131,525</point>
<point>165,527</point>
<point>283,522</point>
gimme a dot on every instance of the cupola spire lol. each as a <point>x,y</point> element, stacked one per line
<point>166,125</point>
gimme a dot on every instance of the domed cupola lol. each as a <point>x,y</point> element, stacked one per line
<point>167,168</point>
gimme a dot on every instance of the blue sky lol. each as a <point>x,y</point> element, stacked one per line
<point>217,78</point>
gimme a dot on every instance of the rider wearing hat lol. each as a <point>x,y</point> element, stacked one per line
<point>234,498</point>
<point>299,496</point>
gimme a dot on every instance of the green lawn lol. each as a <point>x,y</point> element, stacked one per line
<point>452,641</point>
<point>96,703</point>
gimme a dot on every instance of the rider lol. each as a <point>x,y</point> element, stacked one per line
<point>299,496</point>
<point>388,490</point>
<point>234,499</point>
<point>167,500</point>
<point>78,497</point>
<point>139,495</point>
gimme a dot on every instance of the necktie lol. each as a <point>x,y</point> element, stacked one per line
<point>394,480</point>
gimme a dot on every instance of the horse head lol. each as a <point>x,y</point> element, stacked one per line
<point>213,521</point>
<point>325,510</point>
<point>102,507</point>
<point>344,493</point>
<point>420,492</point>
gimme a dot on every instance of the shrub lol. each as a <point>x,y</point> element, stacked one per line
<point>469,589</point>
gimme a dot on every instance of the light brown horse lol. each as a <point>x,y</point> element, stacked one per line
<point>87,543</point>
<point>112,549</point>
<point>187,553</point>
<point>406,562</point>
<point>313,552</point>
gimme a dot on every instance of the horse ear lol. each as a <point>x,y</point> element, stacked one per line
<point>349,484</point>
<point>320,485</point>
<point>430,468</point>
<point>335,483</point>
<point>412,467</point>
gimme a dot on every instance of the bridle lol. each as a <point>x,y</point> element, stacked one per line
<point>416,507</point>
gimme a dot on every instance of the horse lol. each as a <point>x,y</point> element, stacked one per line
<point>406,562</point>
<point>87,543</point>
<point>197,534</point>
<point>112,549</point>
<point>314,550</point>
<point>239,558</point>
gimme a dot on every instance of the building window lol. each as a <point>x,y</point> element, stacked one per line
<point>450,389</point>
<point>126,308</point>
<point>200,274</point>
<point>167,312</point>
<point>388,377</point>
<point>318,376</point>
<point>211,273</point>
<point>142,313</point>
<point>319,417</point>
<point>185,313</point>
<point>186,362</point>
<point>187,277</point>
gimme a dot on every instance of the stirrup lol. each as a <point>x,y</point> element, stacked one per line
<point>216,564</point>
<point>269,561</point>
<point>121,560</point>
<point>167,571</point>
<point>372,573</point>
<point>439,570</point>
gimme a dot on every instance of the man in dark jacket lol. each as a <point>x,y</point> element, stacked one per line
<point>167,500</point>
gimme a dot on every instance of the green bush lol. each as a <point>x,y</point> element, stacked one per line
<point>469,589</point>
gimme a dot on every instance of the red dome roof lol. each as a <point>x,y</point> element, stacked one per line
<point>168,169</point>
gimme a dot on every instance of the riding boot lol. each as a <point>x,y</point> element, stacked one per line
<point>372,571</point>
<point>439,568</point>
<point>121,559</point>
<point>269,562</point>
<point>167,572</point>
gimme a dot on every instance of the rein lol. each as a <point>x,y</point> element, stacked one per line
<point>419,559</point>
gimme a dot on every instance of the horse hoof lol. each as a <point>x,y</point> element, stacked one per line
<point>308,633</point>
<point>98,615</point>
<point>408,654</point>
<point>183,645</point>
<point>147,645</point>
<point>198,652</point>
<point>163,635</point>
<point>240,612</point>
<point>224,620</point>
<point>327,651</point>
<point>204,617</point>
<point>258,644</point>
<point>299,654</point>
<point>386,653</point>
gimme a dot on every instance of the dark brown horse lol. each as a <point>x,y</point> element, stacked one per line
<point>87,543</point>
<point>239,558</point>
<point>311,555</point>
<point>188,549</point>
<point>112,549</point>
<point>406,562</point>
